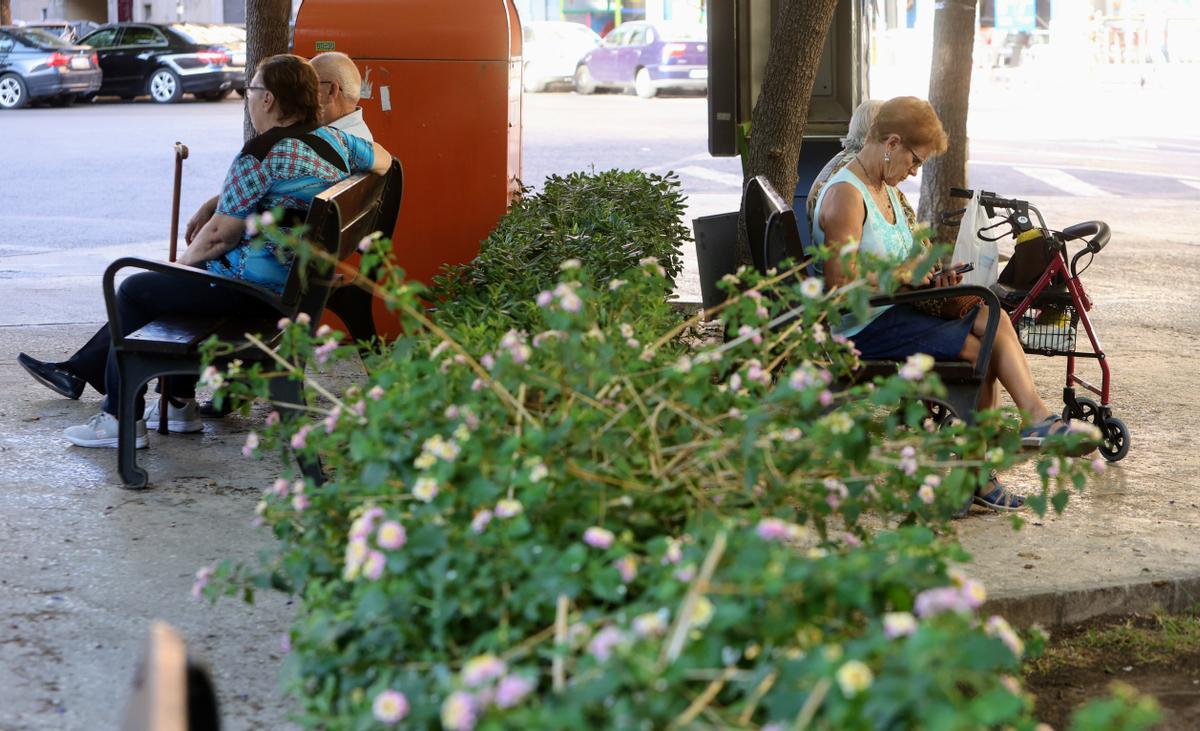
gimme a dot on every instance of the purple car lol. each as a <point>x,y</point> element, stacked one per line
<point>647,57</point>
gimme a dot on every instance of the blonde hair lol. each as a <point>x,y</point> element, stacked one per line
<point>913,120</point>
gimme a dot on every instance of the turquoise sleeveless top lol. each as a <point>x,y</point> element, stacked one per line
<point>880,239</point>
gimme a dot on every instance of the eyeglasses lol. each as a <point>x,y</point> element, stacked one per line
<point>256,88</point>
<point>917,162</point>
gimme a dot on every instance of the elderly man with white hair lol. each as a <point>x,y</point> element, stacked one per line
<point>340,88</point>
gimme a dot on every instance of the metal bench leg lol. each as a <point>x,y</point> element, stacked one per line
<point>284,391</point>
<point>133,476</point>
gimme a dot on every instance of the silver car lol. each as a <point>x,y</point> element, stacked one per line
<point>35,65</point>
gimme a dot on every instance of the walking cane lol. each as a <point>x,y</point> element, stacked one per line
<point>181,153</point>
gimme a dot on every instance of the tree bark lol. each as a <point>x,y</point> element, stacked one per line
<point>780,115</point>
<point>5,12</point>
<point>266,35</point>
<point>949,93</point>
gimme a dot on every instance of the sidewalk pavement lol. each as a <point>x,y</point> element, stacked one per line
<point>88,566</point>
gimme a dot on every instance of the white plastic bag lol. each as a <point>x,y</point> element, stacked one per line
<point>969,247</point>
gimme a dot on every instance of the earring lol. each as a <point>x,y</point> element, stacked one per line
<point>887,157</point>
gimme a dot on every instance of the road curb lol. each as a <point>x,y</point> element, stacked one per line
<point>1059,608</point>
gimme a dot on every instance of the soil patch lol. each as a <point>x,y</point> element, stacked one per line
<point>1157,655</point>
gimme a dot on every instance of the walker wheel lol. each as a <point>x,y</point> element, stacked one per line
<point>1116,439</point>
<point>1089,410</point>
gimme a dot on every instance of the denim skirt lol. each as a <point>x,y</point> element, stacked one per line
<point>903,331</point>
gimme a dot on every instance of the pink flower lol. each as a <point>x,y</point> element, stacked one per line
<point>202,577</point>
<point>598,537</point>
<point>482,669</point>
<point>509,508</point>
<point>324,331</point>
<point>390,706</point>
<point>323,351</point>
<point>605,641</point>
<point>332,420</point>
<point>908,460</point>
<point>685,574</point>
<point>373,565</point>
<point>544,298</point>
<point>932,602</point>
<point>481,520</point>
<point>926,494</point>
<point>272,418</point>
<point>300,503</point>
<point>283,323</point>
<point>511,690</point>
<point>266,218</point>
<point>250,445</point>
<point>375,393</point>
<point>1098,465</point>
<point>280,488</point>
<point>753,333</point>
<point>826,398</point>
<point>627,568</point>
<point>915,368</point>
<point>772,529</point>
<point>300,438</point>
<point>459,712</point>
<point>303,319</point>
<point>391,535</point>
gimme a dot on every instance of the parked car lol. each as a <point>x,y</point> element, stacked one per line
<point>35,65</point>
<point>165,61</point>
<point>68,30</point>
<point>647,57</point>
<point>552,49</point>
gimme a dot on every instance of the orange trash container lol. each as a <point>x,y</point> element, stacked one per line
<point>442,93</point>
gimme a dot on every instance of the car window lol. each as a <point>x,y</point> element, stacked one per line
<point>37,38</point>
<point>6,43</point>
<point>140,35</point>
<point>637,37</point>
<point>102,38</point>
<point>615,38</point>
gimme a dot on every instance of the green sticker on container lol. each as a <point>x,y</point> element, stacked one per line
<point>326,45</point>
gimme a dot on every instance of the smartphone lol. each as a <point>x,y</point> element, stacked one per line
<point>964,268</point>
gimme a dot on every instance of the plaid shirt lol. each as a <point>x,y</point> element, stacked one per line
<point>290,175</point>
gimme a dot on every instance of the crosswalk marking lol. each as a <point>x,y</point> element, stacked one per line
<point>1063,181</point>
<point>1191,183</point>
<point>716,176</point>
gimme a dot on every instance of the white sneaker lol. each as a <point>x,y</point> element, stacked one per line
<point>180,419</point>
<point>102,431</point>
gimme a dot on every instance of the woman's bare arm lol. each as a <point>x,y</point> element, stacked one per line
<point>221,234</point>
<point>842,221</point>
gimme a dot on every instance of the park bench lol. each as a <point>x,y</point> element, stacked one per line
<point>773,238</point>
<point>336,222</point>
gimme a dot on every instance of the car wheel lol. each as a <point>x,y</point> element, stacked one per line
<point>584,83</point>
<point>164,86</point>
<point>64,100</point>
<point>13,93</point>
<point>214,96</point>
<point>643,85</point>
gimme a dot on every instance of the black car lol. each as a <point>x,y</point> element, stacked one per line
<point>165,61</point>
<point>36,66</point>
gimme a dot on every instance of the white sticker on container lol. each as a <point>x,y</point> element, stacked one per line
<point>385,98</point>
<point>365,89</point>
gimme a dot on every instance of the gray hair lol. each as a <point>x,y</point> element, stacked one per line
<point>860,125</point>
<point>336,66</point>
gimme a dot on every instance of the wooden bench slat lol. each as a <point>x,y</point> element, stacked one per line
<point>173,333</point>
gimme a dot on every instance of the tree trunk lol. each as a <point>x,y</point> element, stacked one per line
<point>266,35</point>
<point>780,115</point>
<point>5,12</point>
<point>949,92</point>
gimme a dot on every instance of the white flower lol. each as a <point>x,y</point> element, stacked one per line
<point>854,677</point>
<point>426,489</point>
<point>812,287</point>
<point>915,368</point>
<point>651,624</point>
<point>509,508</point>
<point>538,472</point>
<point>570,264</point>
<point>898,624</point>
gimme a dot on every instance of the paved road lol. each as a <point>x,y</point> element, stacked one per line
<point>100,175</point>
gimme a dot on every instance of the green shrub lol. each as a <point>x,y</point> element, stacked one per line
<point>565,517</point>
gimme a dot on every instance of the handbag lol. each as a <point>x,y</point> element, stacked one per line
<point>971,247</point>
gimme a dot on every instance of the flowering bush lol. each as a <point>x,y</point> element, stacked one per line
<point>562,514</point>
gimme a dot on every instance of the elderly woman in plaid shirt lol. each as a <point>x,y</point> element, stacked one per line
<point>291,160</point>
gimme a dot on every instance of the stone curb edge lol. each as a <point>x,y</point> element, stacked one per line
<point>1061,608</point>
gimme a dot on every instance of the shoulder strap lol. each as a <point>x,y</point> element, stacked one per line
<point>261,145</point>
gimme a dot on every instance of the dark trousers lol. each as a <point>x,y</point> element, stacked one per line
<point>90,360</point>
<point>145,297</point>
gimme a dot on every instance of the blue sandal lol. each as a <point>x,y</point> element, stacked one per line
<point>1033,435</point>
<point>998,497</point>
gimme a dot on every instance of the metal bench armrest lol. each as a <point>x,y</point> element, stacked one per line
<point>110,296</point>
